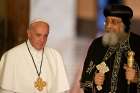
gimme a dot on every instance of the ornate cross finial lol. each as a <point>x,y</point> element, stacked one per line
<point>130,58</point>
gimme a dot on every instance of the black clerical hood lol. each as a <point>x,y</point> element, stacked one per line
<point>122,11</point>
<point>118,11</point>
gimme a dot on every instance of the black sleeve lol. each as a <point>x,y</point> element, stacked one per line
<point>86,79</point>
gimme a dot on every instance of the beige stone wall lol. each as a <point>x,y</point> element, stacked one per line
<point>86,9</point>
<point>135,5</point>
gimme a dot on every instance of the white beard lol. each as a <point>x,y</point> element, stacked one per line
<point>110,39</point>
<point>113,38</point>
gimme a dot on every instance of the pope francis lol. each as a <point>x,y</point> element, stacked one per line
<point>32,67</point>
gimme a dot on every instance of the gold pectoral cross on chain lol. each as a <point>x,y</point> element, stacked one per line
<point>40,84</point>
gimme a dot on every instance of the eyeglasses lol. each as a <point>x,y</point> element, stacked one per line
<point>112,21</point>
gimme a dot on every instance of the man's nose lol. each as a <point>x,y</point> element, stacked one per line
<point>108,25</point>
<point>42,39</point>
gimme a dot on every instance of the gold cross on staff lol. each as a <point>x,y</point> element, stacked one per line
<point>40,84</point>
<point>130,61</point>
<point>130,58</point>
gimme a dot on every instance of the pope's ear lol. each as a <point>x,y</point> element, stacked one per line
<point>28,33</point>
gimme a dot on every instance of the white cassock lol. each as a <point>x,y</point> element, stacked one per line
<point>18,73</point>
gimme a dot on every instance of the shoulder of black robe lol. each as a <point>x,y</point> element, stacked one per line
<point>95,52</point>
<point>134,41</point>
<point>135,46</point>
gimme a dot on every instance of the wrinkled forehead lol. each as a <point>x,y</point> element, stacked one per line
<point>113,18</point>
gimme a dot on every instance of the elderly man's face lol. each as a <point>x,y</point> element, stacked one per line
<point>114,31</point>
<point>114,24</point>
<point>37,34</point>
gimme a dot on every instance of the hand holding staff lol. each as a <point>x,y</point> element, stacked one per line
<point>130,60</point>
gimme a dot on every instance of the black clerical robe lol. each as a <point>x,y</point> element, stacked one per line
<point>115,58</point>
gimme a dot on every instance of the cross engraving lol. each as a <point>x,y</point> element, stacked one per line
<point>103,68</point>
<point>40,84</point>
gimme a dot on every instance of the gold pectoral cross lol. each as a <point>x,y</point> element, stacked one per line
<point>40,84</point>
